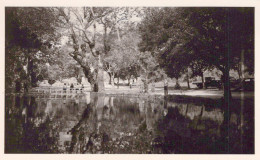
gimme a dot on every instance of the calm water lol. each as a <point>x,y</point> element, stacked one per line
<point>94,123</point>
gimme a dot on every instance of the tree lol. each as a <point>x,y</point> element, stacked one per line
<point>165,40</point>
<point>211,37</point>
<point>149,69</point>
<point>198,67</point>
<point>63,66</point>
<point>85,41</point>
<point>222,36</point>
<point>89,29</point>
<point>28,32</point>
<point>216,36</point>
<point>121,58</point>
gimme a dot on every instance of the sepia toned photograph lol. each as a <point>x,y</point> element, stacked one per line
<point>129,80</point>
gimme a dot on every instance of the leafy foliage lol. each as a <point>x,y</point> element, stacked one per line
<point>91,32</point>
<point>29,35</point>
<point>205,35</point>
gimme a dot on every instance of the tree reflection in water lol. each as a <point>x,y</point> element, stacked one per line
<point>97,123</point>
<point>26,133</point>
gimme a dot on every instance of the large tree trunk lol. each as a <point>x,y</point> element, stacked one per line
<point>89,75</point>
<point>226,107</point>
<point>100,81</point>
<point>113,79</point>
<point>97,85</point>
<point>95,78</point>
<point>227,91</point>
<point>110,77</point>
<point>100,76</point>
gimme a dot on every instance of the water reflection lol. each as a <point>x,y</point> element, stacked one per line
<point>94,123</point>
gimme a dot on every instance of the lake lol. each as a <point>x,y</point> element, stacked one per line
<point>115,124</point>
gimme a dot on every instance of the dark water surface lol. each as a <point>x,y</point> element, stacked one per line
<point>93,123</point>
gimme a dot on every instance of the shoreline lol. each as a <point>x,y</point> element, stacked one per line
<point>206,94</point>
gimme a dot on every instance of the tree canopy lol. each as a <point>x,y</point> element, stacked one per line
<point>29,36</point>
<point>198,37</point>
